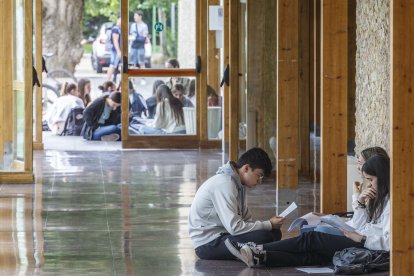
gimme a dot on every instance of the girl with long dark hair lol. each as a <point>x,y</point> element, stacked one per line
<point>371,218</point>
<point>169,116</point>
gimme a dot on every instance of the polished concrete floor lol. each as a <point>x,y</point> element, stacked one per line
<point>121,213</point>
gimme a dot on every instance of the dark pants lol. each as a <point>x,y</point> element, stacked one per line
<point>217,250</point>
<point>310,248</point>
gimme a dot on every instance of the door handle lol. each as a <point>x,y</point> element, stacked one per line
<point>226,76</point>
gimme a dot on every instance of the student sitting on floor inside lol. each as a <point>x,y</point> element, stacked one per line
<point>371,218</point>
<point>219,210</point>
<point>103,118</point>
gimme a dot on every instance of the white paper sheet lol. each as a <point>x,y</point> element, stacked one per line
<point>289,210</point>
<point>314,270</point>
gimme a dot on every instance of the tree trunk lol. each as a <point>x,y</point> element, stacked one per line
<point>62,32</point>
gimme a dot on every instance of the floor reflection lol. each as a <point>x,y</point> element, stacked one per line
<point>119,213</point>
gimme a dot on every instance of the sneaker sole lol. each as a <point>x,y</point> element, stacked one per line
<point>233,250</point>
<point>247,256</point>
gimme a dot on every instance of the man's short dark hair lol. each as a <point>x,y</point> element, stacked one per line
<point>139,12</point>
<point>256,158</point>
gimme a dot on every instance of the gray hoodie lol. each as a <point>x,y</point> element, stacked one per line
<point>220,206</point>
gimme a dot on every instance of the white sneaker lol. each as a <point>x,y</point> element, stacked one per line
<point>110,137</point>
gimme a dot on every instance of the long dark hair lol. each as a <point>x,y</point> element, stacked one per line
<point>379,166</point>
<point>155,86</point>
<point>81,87</point>
<point>368,152</point>
<point>164,92</point>
<point>67,88</point>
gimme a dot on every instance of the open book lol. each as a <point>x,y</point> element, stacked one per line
<point>335,221</point>
<point>309,218</point>
<point>314,219</point>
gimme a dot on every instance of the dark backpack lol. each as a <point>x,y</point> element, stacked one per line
<point>360,261</point>
<point>74,122</point>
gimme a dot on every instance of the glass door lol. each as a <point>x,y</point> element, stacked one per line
<point>161,106</point>
<point>16,139</point>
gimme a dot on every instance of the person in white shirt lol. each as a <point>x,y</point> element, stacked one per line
<point>169,116</point>
<point>58,113</point>
<point>371,219</point>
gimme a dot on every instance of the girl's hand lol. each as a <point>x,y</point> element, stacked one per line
<point>369,193</point>
<point>277,222</point>
<point>357,187</point>
<point>353,236</point>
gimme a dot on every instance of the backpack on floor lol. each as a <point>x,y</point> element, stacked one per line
<point>74,122</point>
<point>360,261</point>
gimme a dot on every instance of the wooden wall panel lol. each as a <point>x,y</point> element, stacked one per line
<point>402,138</point>
<point>334,105</point>
<point>304,89</point>
<point>234,79</point>
<point>287,93</point>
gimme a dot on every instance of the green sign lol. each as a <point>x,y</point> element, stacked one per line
<point>158,27</point>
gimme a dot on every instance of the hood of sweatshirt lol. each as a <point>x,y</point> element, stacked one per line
<point>230,169</point>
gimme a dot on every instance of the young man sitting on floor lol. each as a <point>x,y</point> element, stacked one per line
<point>219,209</point>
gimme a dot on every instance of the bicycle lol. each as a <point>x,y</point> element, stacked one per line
<point>52,85</point>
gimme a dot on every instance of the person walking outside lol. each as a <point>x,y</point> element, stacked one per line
<point>138,36</point>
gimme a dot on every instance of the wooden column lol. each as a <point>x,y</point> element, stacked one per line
<point>6,127</point>
<point>202,78</point>
<point>261,72</point>
<point>402,139</point>
<point>234,79</point>
<point>315,81</point>
<point>351,74</point>
<point>287,93</point>
<point>28,87</point>
<point>213,56</point>
<point>226,89</point>
<point>334,105</point>
<point>3,40</point>
<point>38,141</point>
<point>304,87</point>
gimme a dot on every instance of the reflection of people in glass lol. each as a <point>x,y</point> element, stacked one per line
<point>173,63</point>
<point>152,101</point>
<point>178,92</point>
<point>169,116</point>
